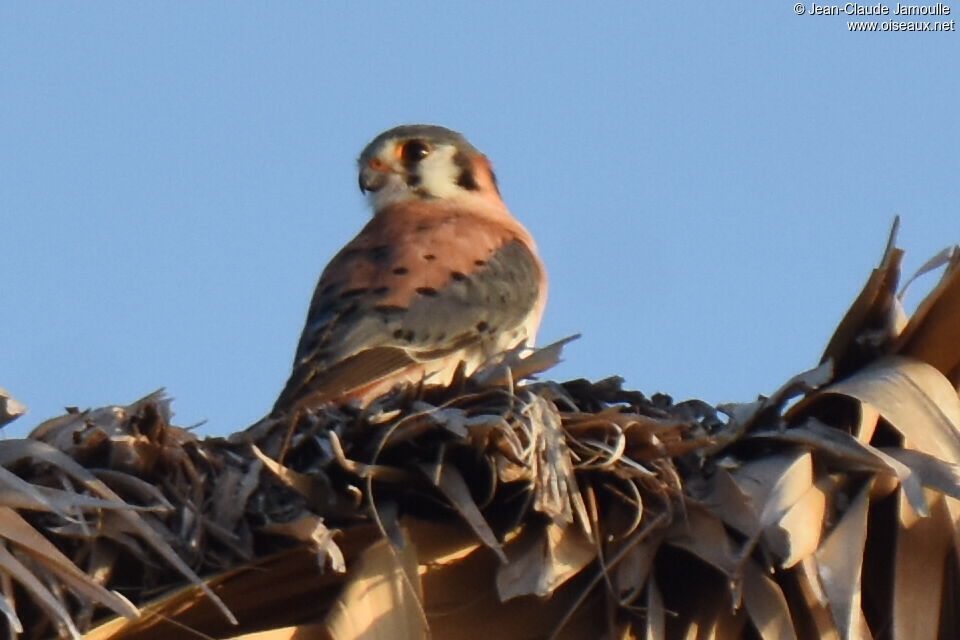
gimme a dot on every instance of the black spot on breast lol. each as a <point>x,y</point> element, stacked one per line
<point>482,326</point>
<point>389,308</point>
<point>467,180</point>
<point>408,336</point>
<point>413,180</point>
<point>398,334</point>
<point>380,254</point>
<point>401,271</point>
<point>429,256</point>
<point>458,276</point>
<point>426,291</point>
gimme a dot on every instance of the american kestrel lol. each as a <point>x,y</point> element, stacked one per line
<point>442,274</point>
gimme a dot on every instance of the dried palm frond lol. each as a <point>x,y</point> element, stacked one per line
<point>10,409</point>
<point>509,509</point>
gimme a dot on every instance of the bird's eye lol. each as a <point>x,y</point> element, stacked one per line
<point>414,151</point>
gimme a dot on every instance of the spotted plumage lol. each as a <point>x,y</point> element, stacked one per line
<point>441,275</point>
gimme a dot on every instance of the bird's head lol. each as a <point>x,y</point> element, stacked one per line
<point>423,162</point>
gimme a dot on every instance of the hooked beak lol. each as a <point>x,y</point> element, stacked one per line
<point>373,176</point>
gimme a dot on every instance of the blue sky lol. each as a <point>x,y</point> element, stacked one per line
<point>709,184</point>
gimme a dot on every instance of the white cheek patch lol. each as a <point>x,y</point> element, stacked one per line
<point>439,173</point>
